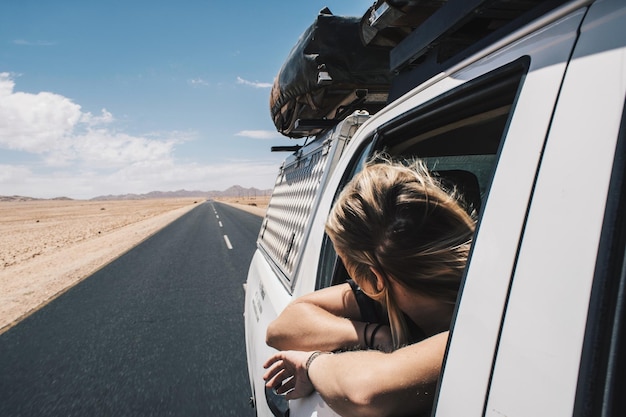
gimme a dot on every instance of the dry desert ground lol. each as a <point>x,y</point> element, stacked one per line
<point>47,246</point>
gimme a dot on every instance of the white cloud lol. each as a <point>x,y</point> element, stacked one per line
<point>108,149</point>
<point>260,134</point>
<point>36,123</point>
<point>254,84</point>
<point>6,84</point>
<point>91,120</point>
<point>33,43</point>
<point>81,155</point>
<point>198,82</point>
<point>140,177</point>
<point>198,176</point>
<point>56,128</point>
<point>13,173</point>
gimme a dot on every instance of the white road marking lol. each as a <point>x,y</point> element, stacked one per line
<point>228,245</point>
<point>220,223</point>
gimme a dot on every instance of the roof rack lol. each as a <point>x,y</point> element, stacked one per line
<point>395,46</point>
<point>425,37</point>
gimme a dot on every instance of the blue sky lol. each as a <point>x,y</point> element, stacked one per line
<point>132,96</point>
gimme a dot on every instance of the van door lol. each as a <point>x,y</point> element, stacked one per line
<point>476,329</point>
<point>536,371</point>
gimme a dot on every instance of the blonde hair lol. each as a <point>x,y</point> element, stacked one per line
<point>399,220</point>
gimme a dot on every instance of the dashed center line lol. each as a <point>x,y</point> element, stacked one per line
<point>228,245</point>
<point>226,239</point>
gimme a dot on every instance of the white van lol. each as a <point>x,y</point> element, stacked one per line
<point>529,122</point>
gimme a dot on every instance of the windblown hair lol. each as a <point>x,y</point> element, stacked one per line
<point>400,220</point>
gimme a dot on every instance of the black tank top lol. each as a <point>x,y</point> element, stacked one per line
<point>373,312</point>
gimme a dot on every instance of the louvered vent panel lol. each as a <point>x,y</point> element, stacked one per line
<point>289,210</point>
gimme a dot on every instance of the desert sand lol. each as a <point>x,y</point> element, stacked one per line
<point>47,246</point>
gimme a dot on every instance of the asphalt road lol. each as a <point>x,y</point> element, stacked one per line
<point>157,332</point>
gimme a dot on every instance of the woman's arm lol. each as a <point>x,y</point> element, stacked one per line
<point>366,382</point>
<point>327,319</point>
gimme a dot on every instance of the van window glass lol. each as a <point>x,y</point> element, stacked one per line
<point>331,269</point>
<point>458,135</point>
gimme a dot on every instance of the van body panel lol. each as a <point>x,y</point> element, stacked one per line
<point>265,297</point>
<point>544,329</point>
<point>473,342</point>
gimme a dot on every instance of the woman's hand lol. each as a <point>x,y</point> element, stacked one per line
<point>287,374</point>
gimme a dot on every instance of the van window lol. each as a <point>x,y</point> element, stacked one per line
<point>458,135</point>
<point>331,269</point>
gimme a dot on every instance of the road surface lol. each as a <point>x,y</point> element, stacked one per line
<point>157,332</point>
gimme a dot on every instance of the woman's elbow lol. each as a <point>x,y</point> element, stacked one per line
<point>358,404</point>
<point>365,398</point>
<point>284,332</point>
<point>362,399</point>
<point>375,404</point>
<point>274,337</point>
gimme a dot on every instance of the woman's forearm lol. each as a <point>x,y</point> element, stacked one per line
<point>304,326</point>
<point>345,383</point>
<point>375,383</point>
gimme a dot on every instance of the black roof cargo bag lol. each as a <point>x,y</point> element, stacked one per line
<point>328,74</point>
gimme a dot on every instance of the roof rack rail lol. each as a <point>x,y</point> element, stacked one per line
<point>292,148</point>
<point>311,125</point>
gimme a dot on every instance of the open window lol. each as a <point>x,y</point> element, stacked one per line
<point>458,135</point>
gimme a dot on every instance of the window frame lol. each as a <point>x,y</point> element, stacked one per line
<point>442,110</point>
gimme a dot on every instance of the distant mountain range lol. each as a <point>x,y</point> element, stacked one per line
<point>234,191</point>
